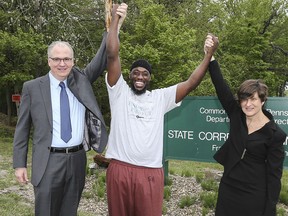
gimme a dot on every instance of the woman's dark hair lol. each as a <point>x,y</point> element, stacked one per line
<point>249,87</point>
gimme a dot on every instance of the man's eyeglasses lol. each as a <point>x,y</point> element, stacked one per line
<point>58,60</point>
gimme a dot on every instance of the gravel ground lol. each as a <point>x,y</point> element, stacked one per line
<point>180,187</point>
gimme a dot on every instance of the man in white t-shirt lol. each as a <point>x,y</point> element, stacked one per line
<point>135,178</point>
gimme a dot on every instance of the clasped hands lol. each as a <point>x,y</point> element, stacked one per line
<point>211,44</point>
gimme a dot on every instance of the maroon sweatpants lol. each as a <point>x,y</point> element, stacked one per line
<point>134,190</point>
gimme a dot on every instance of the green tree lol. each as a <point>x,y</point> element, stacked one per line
<point>79,22</point>
<point>170,34</point>
<point>21,58</point>
<point>167,43</point>
<point>246,38</point>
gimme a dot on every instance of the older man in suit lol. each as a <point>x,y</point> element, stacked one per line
<point>59,160</point>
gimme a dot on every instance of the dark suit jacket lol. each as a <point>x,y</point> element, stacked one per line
<point>270,150</point>
<point>36,109</point>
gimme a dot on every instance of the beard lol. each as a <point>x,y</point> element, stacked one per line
<point>136,91</point>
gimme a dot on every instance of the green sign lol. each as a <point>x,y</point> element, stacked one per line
<point>198,128</point>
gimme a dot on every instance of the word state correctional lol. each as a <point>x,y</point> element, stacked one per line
<point>203,136</point>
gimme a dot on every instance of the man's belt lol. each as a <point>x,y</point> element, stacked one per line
<point>66,150</point>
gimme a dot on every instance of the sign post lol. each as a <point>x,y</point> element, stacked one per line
<point>16,98</point>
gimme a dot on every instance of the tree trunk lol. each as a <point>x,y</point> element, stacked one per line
<point>9,107</point>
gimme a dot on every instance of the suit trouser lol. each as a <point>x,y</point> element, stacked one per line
<point>59,192</point>
<point>134,190</point>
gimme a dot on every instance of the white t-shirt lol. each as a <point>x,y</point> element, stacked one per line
<point>137,123</point>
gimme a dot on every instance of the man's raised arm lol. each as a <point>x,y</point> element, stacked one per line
<point>113,44</point>
<point>184,88</point>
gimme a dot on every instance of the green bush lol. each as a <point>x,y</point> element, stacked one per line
<point>283,198</point>
<point>172,171</point>
<point>208,199</point>
<point>101,192</point>
<point>205,211</point>
<point>281,212</point>
<point>187,201</point>
<point>164,209</point>
<point>88,194</point>
<point>102,178</point>
<point>199,177</point>
<point>6,131</point>
<point>209,185</point>
<point>168,181</point>
<point>186,173</point>
<point>167,193</point>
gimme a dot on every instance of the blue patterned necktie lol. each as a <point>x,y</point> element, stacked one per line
<point>65,114</point>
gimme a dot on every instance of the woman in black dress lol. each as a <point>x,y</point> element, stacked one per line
<point>253,155</point>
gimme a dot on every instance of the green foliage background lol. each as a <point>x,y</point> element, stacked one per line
<point>170,34</point>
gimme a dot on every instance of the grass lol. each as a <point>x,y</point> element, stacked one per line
<point>180,167</point>
<point>209,185</point>
<point>7,172</point>
<point>187,201</point>
<point>208,199</point>
<point>13,204</point>
<point>167,193</point>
